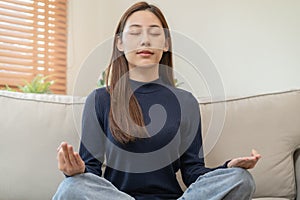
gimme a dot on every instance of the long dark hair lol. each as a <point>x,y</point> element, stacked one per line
<point>120,117</point>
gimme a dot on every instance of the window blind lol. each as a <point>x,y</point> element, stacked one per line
<point>33,40</point>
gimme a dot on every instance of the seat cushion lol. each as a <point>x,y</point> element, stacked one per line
<point>268,123</point>
<point>32,127</point>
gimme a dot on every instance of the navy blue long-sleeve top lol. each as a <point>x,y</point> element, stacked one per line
<point>146,167</point>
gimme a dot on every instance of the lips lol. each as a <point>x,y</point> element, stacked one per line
<point>145,52</point>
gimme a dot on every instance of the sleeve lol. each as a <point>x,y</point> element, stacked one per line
<point>92,140</point>
<point>192,160</point>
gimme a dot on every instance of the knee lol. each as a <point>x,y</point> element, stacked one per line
<point>68,189</point>
<point>244,179</point>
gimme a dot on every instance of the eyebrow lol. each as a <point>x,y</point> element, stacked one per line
<point>139,26</point>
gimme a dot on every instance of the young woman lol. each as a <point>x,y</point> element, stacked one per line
<point>146,128</point>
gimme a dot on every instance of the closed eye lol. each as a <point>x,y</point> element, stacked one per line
<point>155,31</point>
<point>135,33</point>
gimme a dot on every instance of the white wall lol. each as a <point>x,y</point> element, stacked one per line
<point>254,44</point>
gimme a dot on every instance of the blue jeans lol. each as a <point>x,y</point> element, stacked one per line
<point>226,184</point>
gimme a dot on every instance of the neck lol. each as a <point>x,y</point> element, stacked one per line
<point>144,73</point>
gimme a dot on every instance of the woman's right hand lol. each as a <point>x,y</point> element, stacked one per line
<point>69,162</point>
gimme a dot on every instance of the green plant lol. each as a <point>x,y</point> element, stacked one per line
<point>177,84</point>
<point>8,88</point>
<point>101,81</point>
<point>37,85</point>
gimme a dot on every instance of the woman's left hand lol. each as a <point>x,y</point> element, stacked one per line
<point>245,162</point>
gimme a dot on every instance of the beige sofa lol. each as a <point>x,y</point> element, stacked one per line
<point>32,126</point>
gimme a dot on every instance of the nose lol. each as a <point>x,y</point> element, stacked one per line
<point>145,41</point>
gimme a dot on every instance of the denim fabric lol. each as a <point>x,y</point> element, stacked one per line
<point>225,184</point>
<point>220,184</point>
<point>88,186</point>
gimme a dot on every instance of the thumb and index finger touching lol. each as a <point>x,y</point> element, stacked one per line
<point>66,153</point>
<point>255,154</point>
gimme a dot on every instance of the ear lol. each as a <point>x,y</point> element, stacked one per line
<point>166,47</point>
<point>119,44</point>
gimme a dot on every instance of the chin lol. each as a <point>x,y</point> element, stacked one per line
<point>145,64</point>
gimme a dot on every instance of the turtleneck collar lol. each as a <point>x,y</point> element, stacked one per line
<point>146,87</point>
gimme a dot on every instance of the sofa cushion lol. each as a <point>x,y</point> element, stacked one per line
<point>32,127</point>
<point>270,198</point>
<point>268,123</point>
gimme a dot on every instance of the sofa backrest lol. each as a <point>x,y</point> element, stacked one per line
<point>268,123</point>
<point>32,127</point>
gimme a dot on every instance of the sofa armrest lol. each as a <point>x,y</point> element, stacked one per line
<point>297,171</point>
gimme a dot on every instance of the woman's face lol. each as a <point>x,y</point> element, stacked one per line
<point>143,40</point>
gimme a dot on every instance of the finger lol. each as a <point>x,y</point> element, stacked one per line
<point>61,160</point>
<point>71,155</point>
<point>78,159</point>
<point>245,160</point>
<point>258,156</point>
<point>60,157</point>
<point>251,158</point>
<point>64,148</point>
<point>255,153</point>
<point>255,157</point>
<point>59,147</point>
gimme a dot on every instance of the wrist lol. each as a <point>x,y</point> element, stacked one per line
<point>229,164</point>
